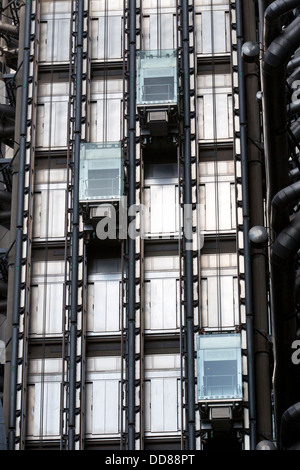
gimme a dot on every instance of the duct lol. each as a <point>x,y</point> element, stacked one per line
<point>284,199</point>
<point>290,428</point>
<point>5,197</point>
<point>6,131</point>
<point>7,111</point>
<point>295,129</point>
<point>293,64</point>
<point>9,29</point>
<point>294,108</point>
<point>275,110</point>
<point>273,18</point>
<point>293,77</point>
<point>283,257</point>
<point>3,288</point>
<point>283,251</point>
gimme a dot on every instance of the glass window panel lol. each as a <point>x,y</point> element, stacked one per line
<point>219,367</point>
<point>157,77</point>
<point>101,172</point>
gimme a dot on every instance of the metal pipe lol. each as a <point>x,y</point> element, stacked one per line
<point>7,111</point>
<point>188,259</point>
<point>6,130</point>
<point>275,110</point>
<point>293,63</point>
<point>246,226</point>
<point>283,200</point>
<point>19,232</point>
<point>273,18</point>
<point>282,252</point>
<point>290,428</point>
<point>258,254</point>
<point>9,29</point>
<point>75,225</point>
<point>286,376</point>
<point>131,312</point>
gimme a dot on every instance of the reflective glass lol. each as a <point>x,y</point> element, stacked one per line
<point>219,368</point>
<point>157,77</point>
<point>101,171</point>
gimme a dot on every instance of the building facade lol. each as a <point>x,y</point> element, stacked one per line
<point>148,241</point>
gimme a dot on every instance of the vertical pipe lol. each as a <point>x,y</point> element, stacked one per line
<point>131,242</point>
<point>188,259</point>
<point>246,226</point>
<point>19,232</point>
<point>75,234</point>
<point>258,258</point>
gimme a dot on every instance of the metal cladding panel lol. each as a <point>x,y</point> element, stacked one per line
<point>55,40</point>
<point>151,38</point>
<point>46,308</point>
<point>161,304</point>
<point>162,394</point>
<point>214,98</point>
<point>104,300</point>
<point>44,398</point>
<point>107,37</point>
<point>219,291</point>
<point>49,211</point>
<point>52,123</point>
<point>213,30</point>
<point>217,206</point>
<point>44,410</point>
<point>106,123</point>
<point>102,407</point>
<point>162,405</point>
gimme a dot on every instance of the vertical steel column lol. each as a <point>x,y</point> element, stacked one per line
<point>187,235</point>
<point>75,235</point>
<point>16,308</point>
<point>246,224</point>
<point>131,133</point>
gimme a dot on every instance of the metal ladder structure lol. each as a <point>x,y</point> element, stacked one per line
<point>132,326</point>
<point>243,216</point>
<point>23,243</point>
<point>189,243</point>
<point>74,333</point>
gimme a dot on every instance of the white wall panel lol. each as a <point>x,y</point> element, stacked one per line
<point>103,406</point>
<point>159,32</point>
<point>52,118</point>
<point>104,300</point>
<point>46,308</point>
<point>107,38</point>
<point>44,410</point>
<point>213,31</point>
<point>105,121</point>
<point>55,40</point>
<point>219,291</point>
<point>161,304</point>
<point>49,211</point>
<point>44,398</point>
<point>162,403</point>
<point>161,201</point>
